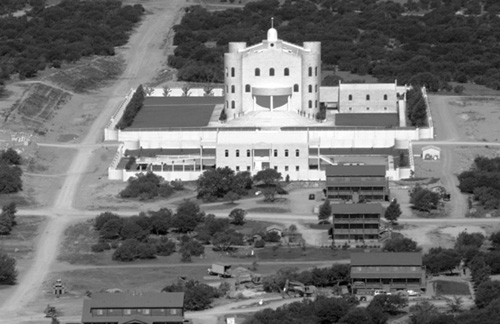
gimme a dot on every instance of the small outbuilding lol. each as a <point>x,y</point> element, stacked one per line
<point>431,152</point>
<point>275,228</point>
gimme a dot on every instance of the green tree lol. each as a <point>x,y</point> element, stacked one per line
<point>325,210</point>
<point>127,251</point>
<point>401,244</point>
<point>231,196</point>
<point>356,315</point>
<point>10,178</point>
<point>393,212</point>
<point>214,183</point>
<point>188,216</point>
<point>161,221</point>
<point>131,230</point>
<point>11,157</point>
<point>487,292</point>
<point>8,272</point>
<point>424,199</point>
<point>223,241</point>
<point>111,229</point>
<point>439,260</point>
<point>198,296</point>
<point>192,247</point>
<point>103,218</point>
<point>237,216</point>
<point>390,304</point>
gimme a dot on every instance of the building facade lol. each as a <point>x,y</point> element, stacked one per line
<point>389,271</point>
<point>354,182</point>
<point>272,75</point>
<point>356,224</point>
<point>144,308</point>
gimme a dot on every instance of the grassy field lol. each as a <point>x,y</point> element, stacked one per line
<point>443,287</point>
<point>300,254</point>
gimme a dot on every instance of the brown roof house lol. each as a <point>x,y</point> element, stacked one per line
<point>389,271</point>
<point>134,308</point>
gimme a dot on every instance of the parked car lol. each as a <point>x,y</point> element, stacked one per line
<point>412,293</point>
<point>380,292</point>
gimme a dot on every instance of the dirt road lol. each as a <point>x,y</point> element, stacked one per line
<point>144,58</point>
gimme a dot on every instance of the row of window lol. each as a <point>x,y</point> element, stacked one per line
<point>286,72</point>
<point>142,311</point>
<point>275,153</point>
<point>367,97</point>
<point>367,108</point>
<point>286,168</point>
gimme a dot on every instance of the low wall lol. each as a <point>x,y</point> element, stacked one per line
<point>110,131</point>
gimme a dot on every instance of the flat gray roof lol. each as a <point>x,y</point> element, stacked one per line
<point>355,170</point>
<point>381,119</point>
<point>164,112</point>
<point>373,208</point>
<point>386,259</point>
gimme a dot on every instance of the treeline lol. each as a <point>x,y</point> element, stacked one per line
<point>133,107</point>
<point>370,37</point>
<point>144,236</point>
<point>10,172</point>
<point>47,36</point>
<point>416,107</point>
<point>483,180</point>
<point>149,186</point>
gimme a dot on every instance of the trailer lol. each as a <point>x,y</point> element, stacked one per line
<point>220,269</point>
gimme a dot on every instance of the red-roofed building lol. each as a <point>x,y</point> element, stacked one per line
<point>388,271</point>
<point>137,308</point>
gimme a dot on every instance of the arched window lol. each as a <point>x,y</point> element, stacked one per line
<point>310,104</point>
<point>248,153</point>
<point>286,152</point>
<point>237,153</point>
<point>271,72</point>
<point>247,88</point>
<point>226,153</point>
<point>297,152</point>
<point>367,108</point>
<point>233,104</point>
<point>227,74</point>
<point>316,88</point>
<point>385,97</point>
<point>232,71</point>
<point>232,89</point>
<point>227,88</point>
<point>295,88</point>
<point>310,71</point>
<point>350,97</point>
<point>310,88</point>
<point>286,72</point>
<point>367,97</point>
<point>257,72</point>
<point>316,71</point>
<point>227,104</point>
<point>315,103</point>
<point>275,153</point>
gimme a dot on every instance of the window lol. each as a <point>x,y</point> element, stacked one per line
<point>276,167</point>
<point>295,88</point>
<point>227,88</point>
<point>367,97</point>
<point>286,152</point>
<point>350,97</point>
<point>316,71</point>
<point>271,72</point>
<point>257,72</point>
<point>227,74</point>
<point>237,168</point>
<point>316,88</point>
<point>247,88</point>
<point>350,108</point>
<point>385,97</point>
<point>233,105</point>
<point>310,104</point>
<point>286,167</point>
<point>275,153</point>
<point>248,153</point>
<point>297,152</point>
<point>173,311</point>
<point>310,71</point>
<point>385,108</point>
<point>232,72</point>
<point>248,168</point>
<point>316,104</point>
<point>98,312</point>
<point>367,108</point>
<point>227,104</point>
<point>232,89</point>
<point>237,153</point>
<point>145,311</point>
<point>226,153</point>
<point>310,88</point>
<point>297,168</point>
<point>286,72</point>
<point>127,312</point>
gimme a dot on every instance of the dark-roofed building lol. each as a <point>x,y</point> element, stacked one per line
<point>389,271</point>
<point>349,182</point>
<point>137,308</point>
<point>356,224</point>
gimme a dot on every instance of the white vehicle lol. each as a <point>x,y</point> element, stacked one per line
<point>380,292</point>
<point>412,293</point>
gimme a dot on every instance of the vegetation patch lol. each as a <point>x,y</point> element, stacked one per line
<point>444,287</point>
<point>302,253</point>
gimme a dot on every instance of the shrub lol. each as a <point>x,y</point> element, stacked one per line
<point>133,107</point>
<point>165,247</point>
<point>260,244</point>
<point>127,251</point>
<point>100,247</point>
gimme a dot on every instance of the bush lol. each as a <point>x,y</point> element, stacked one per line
<point>8,272</point>
<point>260,244</point>
<point>145,186</point>
<point>100,247</point>
<point>127,251</point>
<point>165,247</point>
